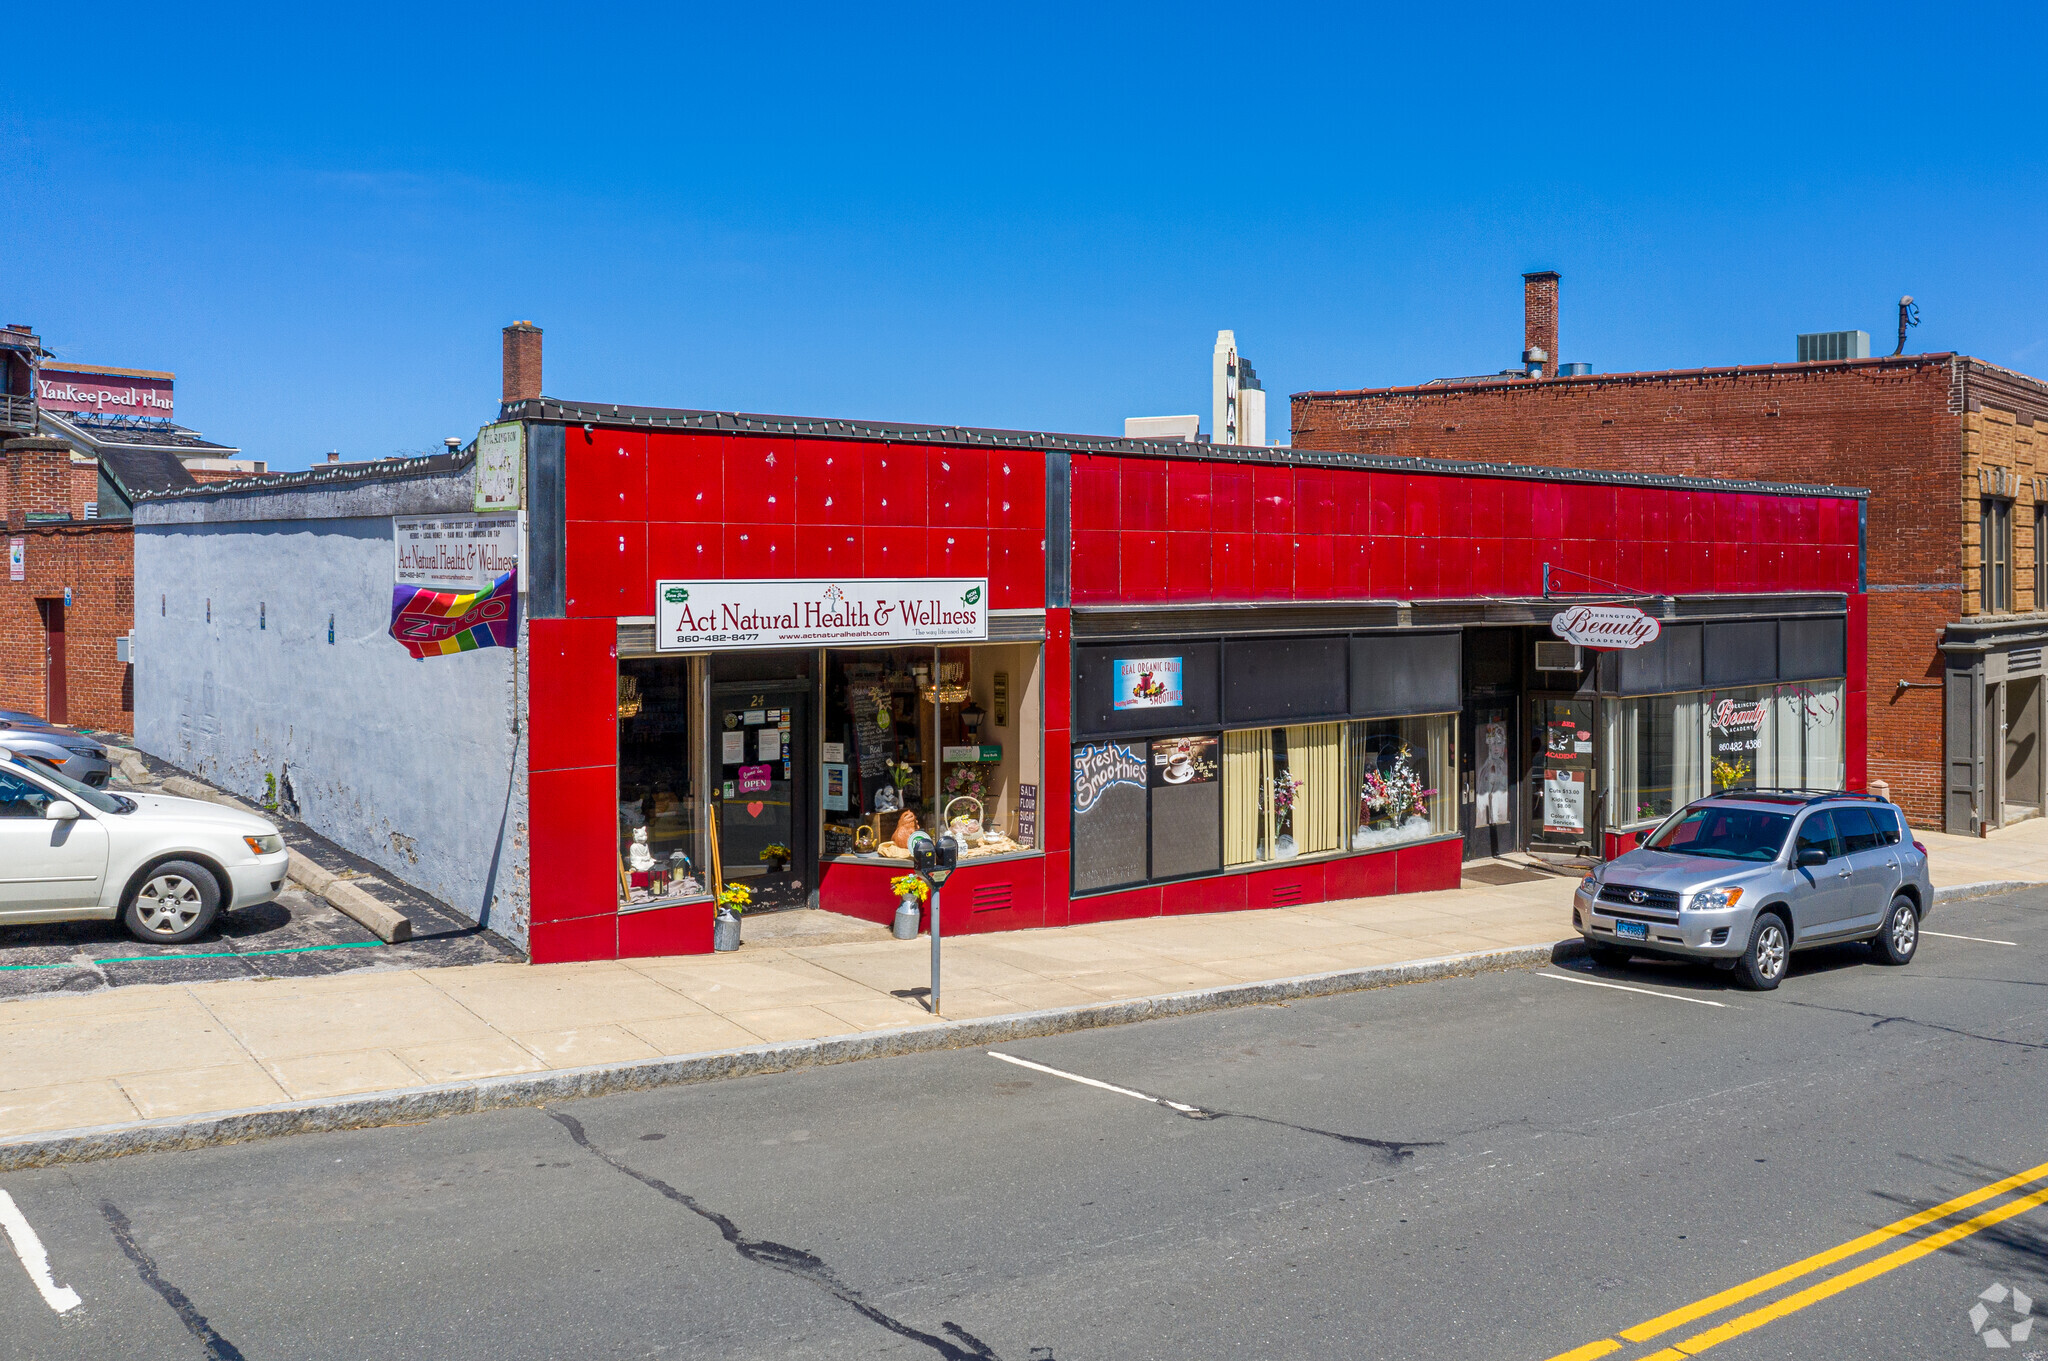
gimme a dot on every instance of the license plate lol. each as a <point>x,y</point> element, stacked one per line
<point>1632,930</point>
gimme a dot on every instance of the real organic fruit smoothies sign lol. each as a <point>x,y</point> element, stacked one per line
<point>700,616</point>
<point>1149,683</point>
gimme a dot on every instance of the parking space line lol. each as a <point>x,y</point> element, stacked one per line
<point>1091,1082</point>
<point>35,1259</point>
<point>1981,940</point>
<point>1623,987</point>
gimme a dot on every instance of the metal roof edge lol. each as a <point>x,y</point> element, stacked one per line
<point>549,410</point>
<point>322,475</point>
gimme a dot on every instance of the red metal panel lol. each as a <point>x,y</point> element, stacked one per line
<point>1055,814</point>
<point>1288,886</point>
<point>682,930</point>
<point>1361,876</point>
<point>1111,907</point>
<point>1771,571</point>
<point>1316,509</point>
<point>1521,567</point>
<point>1097,502</point>
<point>1188,497</point>
<point>1628,514</point>
<point>1389,567</point>
<point>686,478</point>
<point>1432,865</point>
<point>861,891</point>
<point>1603,564</point>
<point>1518,510</point>
<point>606,475</point>
<point>1856,730</point>
<point>828,482</point>
<point>828,550</point>
<point>1421,565</point>
<point>1489,567</point>
<point>574,859</point>
<point>890,550</point>
<point>1589,512</point>
<point>1354,501</point>
<point>760,481</point>
<point>1143,564</point>
<point>1547,508</point>
<point>1008,895</point>
<point>1236,569</point>
<point>607,569</point>
<point>1143,488</point>
<point>1187,897</point>
<point>572,693</point>
<point>893,486</point>
<point>1016,569</point>
<point>1016,489</point>
<point>1058,888</point>
<point>1315,567</point>
<point>1351,567</point>
<point>1057,663</point>
<point>1389,493</point>
<point>1628,564</point>
<point>759,551</point>
<point>1454,507</point>
<point>1273,489</point>
<point>1188,564</point>
<point>1234,493</point>
<point>1578,560</point>
<point>1454,566</point>
<point>957,553</point>
<point>1274,573</point>
<point>1658,515</point>
<point>685,550</point>
<point>1423,502</point>
<point>572,942</point>
<point>1096,575</point>
<point>959,487</point>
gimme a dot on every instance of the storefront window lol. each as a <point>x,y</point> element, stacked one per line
<point>1656,748</point>
<point>659,806</point>
<point>1664,751</point>
<point>1316,788</point>
<point>916,739</point>
<point>1401,768</point>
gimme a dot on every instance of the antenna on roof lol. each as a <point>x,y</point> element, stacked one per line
<point>1909,315</point>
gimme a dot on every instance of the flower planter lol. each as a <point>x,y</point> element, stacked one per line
<point>907,914</point>
<point>725,932</point>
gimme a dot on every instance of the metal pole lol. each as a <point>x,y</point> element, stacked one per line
<point>935,952</point>
<point>938,781</point>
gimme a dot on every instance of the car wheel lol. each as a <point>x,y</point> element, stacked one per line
<point>1901,935</point>
<point>1762,965</point>
<point>174,903</point>
<point>1609,956</point>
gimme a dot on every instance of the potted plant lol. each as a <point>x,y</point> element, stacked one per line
<point>733,899</point>
<point>776,856</point>
<point>1285,791</point>
<point>911,892</point>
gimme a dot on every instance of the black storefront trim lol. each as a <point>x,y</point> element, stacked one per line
<point>1343,616</point>
<point>1261,866</point>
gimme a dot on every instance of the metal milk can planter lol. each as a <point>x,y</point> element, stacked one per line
<point>907,914</point>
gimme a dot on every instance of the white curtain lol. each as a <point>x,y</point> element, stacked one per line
<point>1825,757</point>
<point>1689,774</point>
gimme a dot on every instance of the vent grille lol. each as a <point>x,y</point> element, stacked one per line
<point>1834,345</point>
<point>993,897</point>
<point>1556,656</point>
<point>1289,895</point>
<point>2023,661</point>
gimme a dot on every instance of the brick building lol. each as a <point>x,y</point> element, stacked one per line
<point>1954,452</point>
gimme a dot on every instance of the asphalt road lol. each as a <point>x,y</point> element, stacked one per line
<point>1508,1166</point>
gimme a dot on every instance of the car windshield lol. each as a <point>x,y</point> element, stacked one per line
<point>1724,833</point>
<point>85,794</point>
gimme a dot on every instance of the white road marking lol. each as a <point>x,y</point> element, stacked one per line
<point>34,1259</point>
<point>1981,940</point>
<point>1091,1082</point>
<point>1623,987</point>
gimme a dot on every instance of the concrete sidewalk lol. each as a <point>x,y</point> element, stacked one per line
<point>150,1052</point>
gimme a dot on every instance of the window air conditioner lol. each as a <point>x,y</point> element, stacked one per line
<point>1556,656</point>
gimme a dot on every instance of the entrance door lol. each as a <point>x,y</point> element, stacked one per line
<point>55,702</point>
<point>761,741</point>
<point>2022,783</point>
<point>1486,779</point>
<point>1563,816</point>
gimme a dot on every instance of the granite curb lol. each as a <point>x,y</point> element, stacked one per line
<point>1962,892</point>
<point>413,1105</point>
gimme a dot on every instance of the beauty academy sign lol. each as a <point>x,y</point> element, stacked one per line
<point>699,616</point>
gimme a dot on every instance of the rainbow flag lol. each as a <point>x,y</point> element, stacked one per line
<point>441,623</point>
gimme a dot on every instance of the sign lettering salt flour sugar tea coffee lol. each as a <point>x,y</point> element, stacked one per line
<point>697,616</point>
<point>1605,628</point>
<point>1147,683</point>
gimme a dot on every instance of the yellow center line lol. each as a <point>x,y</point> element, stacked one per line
<point>1735,1294</point>
<point>1855,1276</point>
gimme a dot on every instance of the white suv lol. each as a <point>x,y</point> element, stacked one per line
<point>165,866</point>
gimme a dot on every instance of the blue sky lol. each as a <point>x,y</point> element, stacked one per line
<point>1035,217</point>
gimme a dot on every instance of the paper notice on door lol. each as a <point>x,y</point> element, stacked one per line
<point>831,753</point>
<point>732,748</point>
<point>1564,801</point>
<point>771,744</point>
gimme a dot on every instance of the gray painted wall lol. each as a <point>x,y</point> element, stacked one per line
<point>414,765</point>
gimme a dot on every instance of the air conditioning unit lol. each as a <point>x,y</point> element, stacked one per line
<point>1556,656</point>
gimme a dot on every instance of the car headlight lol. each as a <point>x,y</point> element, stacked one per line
<point>1590,885</point>
<point>1714,899</point>
<point>264,845</point>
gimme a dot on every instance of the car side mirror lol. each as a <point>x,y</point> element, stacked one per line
<point>60,811</point>
<point>1812,855</point>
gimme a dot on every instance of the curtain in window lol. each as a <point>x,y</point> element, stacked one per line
<point>1247,766</point>
<point>1689,778</point>
<point>1438,737</point>
<point>1824,736</point>
<point>1315,761</point>
<point>1788,725</point>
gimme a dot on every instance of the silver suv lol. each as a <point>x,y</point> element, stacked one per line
<point>1744,878</point>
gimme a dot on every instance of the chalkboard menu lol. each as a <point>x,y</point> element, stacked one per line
<point>1109,814</point>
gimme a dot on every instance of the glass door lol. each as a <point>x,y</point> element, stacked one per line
<point>760,743</point>
<point>1565,802</point>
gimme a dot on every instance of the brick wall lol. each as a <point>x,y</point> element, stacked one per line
<point>97,561</point>
<point>1890,425</point>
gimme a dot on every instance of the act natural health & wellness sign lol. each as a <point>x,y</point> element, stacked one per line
<point>698,616</point>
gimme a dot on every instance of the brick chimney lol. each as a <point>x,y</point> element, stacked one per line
<point>1539,323</point>
<point>522,361</point>
<point>37,479</point>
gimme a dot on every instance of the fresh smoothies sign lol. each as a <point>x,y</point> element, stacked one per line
<point>699,616</point>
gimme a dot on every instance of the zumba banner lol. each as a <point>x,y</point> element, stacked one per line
<point>441,623</point>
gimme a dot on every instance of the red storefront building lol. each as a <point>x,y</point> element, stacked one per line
<point>1202,678</point>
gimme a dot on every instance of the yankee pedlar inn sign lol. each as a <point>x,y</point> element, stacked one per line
<point>699,616</point>
<point>1605,628</point>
